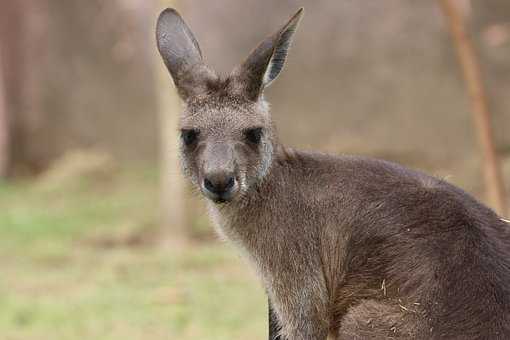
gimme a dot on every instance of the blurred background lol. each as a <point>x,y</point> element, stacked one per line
<point>99,235</point>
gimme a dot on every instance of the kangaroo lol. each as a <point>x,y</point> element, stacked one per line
<point>346,247</point>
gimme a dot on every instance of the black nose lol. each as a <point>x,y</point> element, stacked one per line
<point>219,184</point>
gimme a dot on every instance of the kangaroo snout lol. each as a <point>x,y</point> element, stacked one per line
<point>219,186</point>
<point>219,181</point>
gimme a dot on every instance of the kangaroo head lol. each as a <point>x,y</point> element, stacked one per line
<point>227,135</point>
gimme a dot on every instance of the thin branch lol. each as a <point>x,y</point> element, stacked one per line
<point>4,125</point>
<point>482,118</point>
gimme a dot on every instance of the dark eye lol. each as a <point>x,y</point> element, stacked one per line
<point>189,136</point>
<point>253,135</point>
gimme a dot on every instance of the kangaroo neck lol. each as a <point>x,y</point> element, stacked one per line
<point>246,220</point>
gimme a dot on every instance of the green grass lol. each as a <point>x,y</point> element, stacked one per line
<point>60,279</point>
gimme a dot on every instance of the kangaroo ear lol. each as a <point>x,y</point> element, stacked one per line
<point>264,63</point>
<point>181,54</point>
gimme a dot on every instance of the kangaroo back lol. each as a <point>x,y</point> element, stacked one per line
<point>346,247</point>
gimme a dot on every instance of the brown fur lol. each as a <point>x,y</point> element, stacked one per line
<point>353,247</point>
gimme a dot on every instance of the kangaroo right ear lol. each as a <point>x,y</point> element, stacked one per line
<point>181,54</point>
<point>265,62</point>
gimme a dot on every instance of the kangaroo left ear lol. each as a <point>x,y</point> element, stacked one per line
<point>182,56</point>
<point>264,64</point>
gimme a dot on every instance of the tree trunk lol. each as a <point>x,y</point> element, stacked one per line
<point>482,117</point>
<point>173,192</point>
<point>4,124</point>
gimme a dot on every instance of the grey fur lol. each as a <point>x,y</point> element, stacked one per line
<point>350,247</point>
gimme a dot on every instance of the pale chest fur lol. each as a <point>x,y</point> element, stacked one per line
<point>286,286</point>
<point>220,222</point>
<point>237,231</point>
<point>234,225</point>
